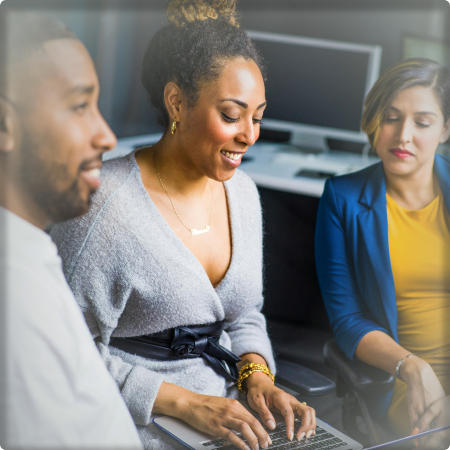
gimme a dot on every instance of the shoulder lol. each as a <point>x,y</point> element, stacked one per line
<point>347,188</point>
<point>117,178</point>
<point>243,183</point>
<point>115,174</point>
<point>443,162</point>
<point>243,197</point>
<point>444,159</point>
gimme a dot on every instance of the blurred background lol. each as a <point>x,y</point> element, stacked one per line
<point>116,32</point>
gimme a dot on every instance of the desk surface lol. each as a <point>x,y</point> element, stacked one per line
<point>277,166</point>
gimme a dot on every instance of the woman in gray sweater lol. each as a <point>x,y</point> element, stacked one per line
<point>167,264</point>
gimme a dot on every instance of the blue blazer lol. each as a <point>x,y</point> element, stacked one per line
<point>352,253</point>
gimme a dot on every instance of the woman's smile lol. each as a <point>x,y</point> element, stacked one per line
<point>232,158</point>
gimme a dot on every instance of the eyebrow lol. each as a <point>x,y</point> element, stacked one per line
<point>81,90</point>
<point>243,104</point>
<point>419,113</point>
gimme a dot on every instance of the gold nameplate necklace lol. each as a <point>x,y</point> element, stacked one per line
<point>193,231</point>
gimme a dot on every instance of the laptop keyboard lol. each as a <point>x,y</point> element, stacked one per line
<point>322,440</point>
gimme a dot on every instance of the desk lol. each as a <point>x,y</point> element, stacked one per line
<point>277,166</point>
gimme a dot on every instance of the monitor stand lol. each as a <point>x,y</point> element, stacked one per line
<point>309,142</point>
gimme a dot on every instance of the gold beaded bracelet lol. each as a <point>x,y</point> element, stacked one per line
<point>249,369</point>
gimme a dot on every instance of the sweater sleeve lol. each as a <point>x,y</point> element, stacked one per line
<point>349,316</point>
<point>97,277</point>
<point>249,335</point>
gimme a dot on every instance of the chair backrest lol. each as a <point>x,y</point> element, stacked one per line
<point>291,287</point>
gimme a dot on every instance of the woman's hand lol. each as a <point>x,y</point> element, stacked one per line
<point>263,395</point>
<point>439,414</point>
<point>219,416</point>
<point>424,387</point>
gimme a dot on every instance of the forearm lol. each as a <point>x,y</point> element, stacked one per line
<point>257,377</point>
<point>251,358</point>
<point>380,350</point>
<point>172,400</point>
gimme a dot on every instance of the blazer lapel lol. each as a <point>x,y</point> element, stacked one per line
<point>442,171</point>
<point>373,234</point>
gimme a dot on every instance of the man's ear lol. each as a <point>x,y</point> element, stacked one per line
<point>172,99</point>
<point>7,122</point>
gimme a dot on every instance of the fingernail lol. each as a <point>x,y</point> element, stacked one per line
<point>271,424</point>
<point>291,435</point>
<point>266,444</point>
<point>302,435</point>
<point>415,431</point>
<point>269,440</point>
<point>257,447</point>
<point>246,447</point>
<point>308,434</point>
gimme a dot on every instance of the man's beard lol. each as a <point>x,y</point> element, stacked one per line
<point>41,178</point>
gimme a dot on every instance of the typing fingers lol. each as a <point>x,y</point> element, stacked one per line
<point>258,403</point>
<point>308,418</point>
<point>233,438</point>
<point>284,406</point>
<point>251,430</point>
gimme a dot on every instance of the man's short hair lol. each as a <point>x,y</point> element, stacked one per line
<point>23,34</point>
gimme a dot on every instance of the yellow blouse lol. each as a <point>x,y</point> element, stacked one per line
<point>419,246</point>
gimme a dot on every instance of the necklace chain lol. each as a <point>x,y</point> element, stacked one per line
<point>193,231</point>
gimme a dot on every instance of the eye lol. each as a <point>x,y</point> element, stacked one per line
<point>422,125</point>
<point>391,119</point>
<point>259,121</point>
<point>80,107</point>
<point>229,119</point>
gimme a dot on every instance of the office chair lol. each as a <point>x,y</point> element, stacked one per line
<point>356,383</point>
<point>302,380</point>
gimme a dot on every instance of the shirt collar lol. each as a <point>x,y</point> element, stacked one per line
<point>21,237</point>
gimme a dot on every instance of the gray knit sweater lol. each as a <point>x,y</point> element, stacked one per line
<point>132,276</point>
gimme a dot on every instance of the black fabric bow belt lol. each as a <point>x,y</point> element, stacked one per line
<point>183,343</point>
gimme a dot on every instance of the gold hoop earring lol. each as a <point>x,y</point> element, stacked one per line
<point>174,126</point>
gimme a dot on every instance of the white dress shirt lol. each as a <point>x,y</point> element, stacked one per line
<point>57,392</point>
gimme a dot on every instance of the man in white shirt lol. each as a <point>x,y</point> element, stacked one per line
<point>55,389</point>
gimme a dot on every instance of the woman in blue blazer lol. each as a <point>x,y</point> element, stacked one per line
<point>359,261</point>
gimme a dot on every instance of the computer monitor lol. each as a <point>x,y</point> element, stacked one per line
<point>316,88</point>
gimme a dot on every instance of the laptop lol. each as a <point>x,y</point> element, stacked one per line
<point>409,442</point>
<point>326,437</point>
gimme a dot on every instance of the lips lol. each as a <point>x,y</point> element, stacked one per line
<point>401,153</point>
<point>90,172</point>
<point>232,158</point>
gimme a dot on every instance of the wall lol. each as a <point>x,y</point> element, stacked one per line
<point>116,32</point>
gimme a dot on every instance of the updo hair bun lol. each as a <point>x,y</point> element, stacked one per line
<point>192,50</point>
<point>183,12</point>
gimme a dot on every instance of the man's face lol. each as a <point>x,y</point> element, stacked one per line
<point>62,134</point>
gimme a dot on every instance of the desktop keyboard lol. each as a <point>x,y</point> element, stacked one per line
<point>322,440</point>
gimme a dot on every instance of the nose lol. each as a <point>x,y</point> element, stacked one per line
<point>104,138</point>
<point>247,134</point>
<point>405,132</point>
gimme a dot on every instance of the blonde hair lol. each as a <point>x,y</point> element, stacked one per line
<point>405,74</point>
<point>182,12</point>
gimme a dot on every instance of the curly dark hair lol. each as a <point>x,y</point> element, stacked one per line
<point>193,49</point>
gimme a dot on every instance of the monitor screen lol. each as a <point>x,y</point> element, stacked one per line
<point>316,83</point>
